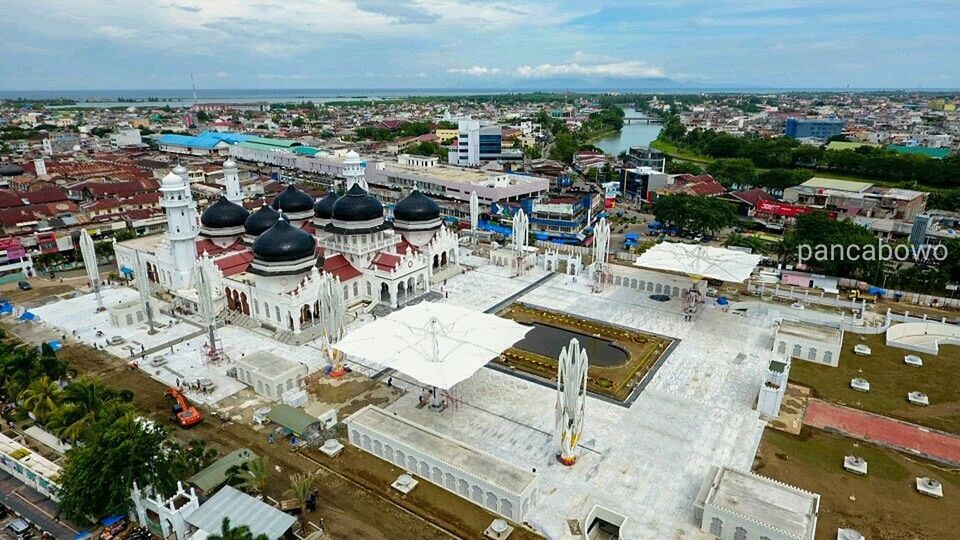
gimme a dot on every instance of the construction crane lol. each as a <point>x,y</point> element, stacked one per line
<point>186,414</point>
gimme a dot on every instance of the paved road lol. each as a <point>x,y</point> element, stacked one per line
<point>35,507</point>
<point>870,427</point>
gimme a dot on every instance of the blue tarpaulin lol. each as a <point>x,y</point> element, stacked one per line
<point>877,291</point>
<point>27,316</point>
<point>83,535</point>
<point>653,225</point>
<point>6,307</point>
<point>722,301</point>
<point>55,344</point>
<point>126,271</point>
<point>112,520</point>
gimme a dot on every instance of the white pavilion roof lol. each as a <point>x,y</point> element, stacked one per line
<point>700,260</point>
<point>465,341</point>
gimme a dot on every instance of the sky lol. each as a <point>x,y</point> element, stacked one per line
<point>380,44</point>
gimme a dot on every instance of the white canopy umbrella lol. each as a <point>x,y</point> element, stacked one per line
<point>700,261</point>
<point>439,345</point>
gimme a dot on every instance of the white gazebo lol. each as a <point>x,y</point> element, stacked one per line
<point>438,345</point>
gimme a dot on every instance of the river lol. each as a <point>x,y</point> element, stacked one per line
<point>637,134</point>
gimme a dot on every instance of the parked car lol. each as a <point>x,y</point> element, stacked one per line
<point>24,285</point>
<point>116,340</point>
<point>20,529</point>
<point>158,361</point>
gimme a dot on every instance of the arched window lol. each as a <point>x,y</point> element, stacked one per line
<point>797,351</point>
<point>740,534</point>
<point>716,527</point>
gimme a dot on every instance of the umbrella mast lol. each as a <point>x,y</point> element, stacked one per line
<point>571,401</point>
<point>89,253</point>
<point>601,250</point>
<point>143,287</point>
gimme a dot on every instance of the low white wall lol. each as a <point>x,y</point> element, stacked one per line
<point>939,334</point>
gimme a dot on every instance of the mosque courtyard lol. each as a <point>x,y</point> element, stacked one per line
<point>644,460</point>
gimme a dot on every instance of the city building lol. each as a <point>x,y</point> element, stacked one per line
<point>638,183</point>
<point>808,341</point>
<point>849,199</point>
<point>124,137</point>
<point>476,144</point>
<point>14,258</point>
<point>813,128</point>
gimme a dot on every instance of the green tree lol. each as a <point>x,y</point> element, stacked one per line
<point>41,398</point>
<point>734,172</point>
<point>693,213</point>
<point>250,476</point>
<point>229,532</point>
<point>301,486</point>
<point>833,246</point>
<point>564,146</point>
<point>100,471</point>
<point>777,180</point>
<point>83,402</point>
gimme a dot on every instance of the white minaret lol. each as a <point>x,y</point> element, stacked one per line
<point>571,400</point>
<point>231,181</point>
<point>89,253</point>
<point>353,171</point>
<point>474,211</point>
<point>182,172</point>
<point>182,228</point>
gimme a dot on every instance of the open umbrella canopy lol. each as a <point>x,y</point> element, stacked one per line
<point>700,260</point>
<point>436,344</point>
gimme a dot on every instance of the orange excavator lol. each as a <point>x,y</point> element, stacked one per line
<point>186,414</point>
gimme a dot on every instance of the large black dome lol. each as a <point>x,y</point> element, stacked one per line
<point>324,207</point>
<point>223,214</point>
<point>260,221</point>
<point>284,242</point>
<point>416,207</point>
<point>357,205</point>
<point>11,169</point>
<point>292,200</point>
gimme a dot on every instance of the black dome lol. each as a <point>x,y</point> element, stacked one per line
<point>284,242</point>
<point>223,214</point>
<point>292,200</point>
<point>416,207</point>
<point>11,169</point>
<point>260,221</point>
<point>357,205</point>
<point>324,207</point>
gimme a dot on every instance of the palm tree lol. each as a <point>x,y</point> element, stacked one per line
<point>301,487</point>
<point>41,398</point>
<point>235,533</point>
<point>250,476</point>
<point>83,402</point>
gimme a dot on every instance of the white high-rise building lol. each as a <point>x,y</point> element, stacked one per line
<point>182,228</point>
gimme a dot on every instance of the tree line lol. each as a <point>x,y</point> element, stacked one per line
<point>786,153</point>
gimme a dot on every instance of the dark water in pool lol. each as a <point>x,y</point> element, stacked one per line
<point>548,341</point>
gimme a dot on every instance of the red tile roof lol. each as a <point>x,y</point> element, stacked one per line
<point>753,196</point>
<point>234,264</point>
<point>339,266</point>
<point>385,261</point>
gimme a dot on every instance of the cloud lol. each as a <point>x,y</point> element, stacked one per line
<point>475,71</point>
<point>281,77</point>
<point>221,75</point>
<point>629,69</point>
<point>747,22</point>
<point>115,32</point>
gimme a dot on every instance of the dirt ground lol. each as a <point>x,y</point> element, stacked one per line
<point>352,505</point>
<point>884,504</point>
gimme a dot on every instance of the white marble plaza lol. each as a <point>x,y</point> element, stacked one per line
<point>646,462</point>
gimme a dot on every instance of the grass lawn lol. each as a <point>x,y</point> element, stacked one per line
<point>890,381</point>
<point>678,153</point>
<point>884,504</point>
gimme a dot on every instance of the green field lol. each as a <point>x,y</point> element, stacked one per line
<point>890,381</point>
